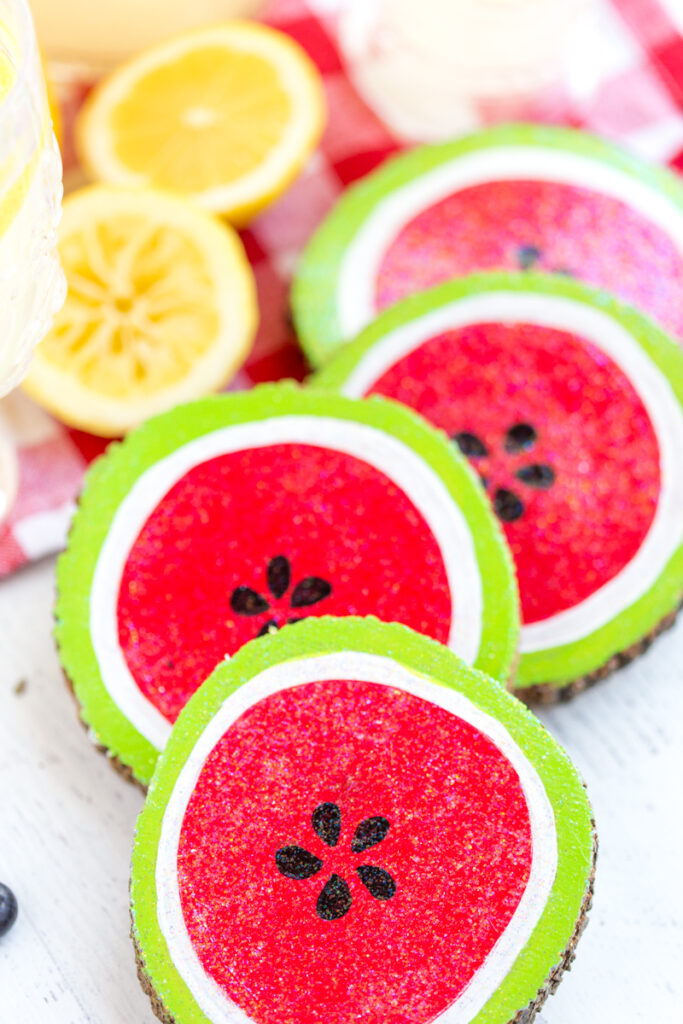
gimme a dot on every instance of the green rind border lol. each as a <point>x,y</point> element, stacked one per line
<point>314,292</point>
<point>556,666</point>
<point>112,477</point>
<point>573,818</point>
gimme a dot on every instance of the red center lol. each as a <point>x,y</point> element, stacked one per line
<point>458,848</point>
<point>591,428</point>
<point>590,235</point>
<point>333,517</point>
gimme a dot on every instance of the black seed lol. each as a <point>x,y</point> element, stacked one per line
<point>564,271</point>
<point>8,909</point>
<point>520,438</point>
<point>310,591</point>
<point>537,475</point>
<point>484,482</point>
<point>507,505</point>
<point>528,255</point>
<point>293,862</point>
<point>377,881</point>
<point>370,832</point>
<point>470,445</point>
<point>246,601</point>
<point>278,575</point>
<point>270,626</point>
<point>294,620</point>
<point>326,823</point>
<point>335,899</point>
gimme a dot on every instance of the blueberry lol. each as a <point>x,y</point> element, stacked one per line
<point>8,909</point>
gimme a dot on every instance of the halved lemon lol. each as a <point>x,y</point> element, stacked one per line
<point>161,309</point>
<point>226,115</point>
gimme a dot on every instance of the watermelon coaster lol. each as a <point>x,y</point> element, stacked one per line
<point>350,824</point>
<point>235,515</point>
<point>570,407</point>
<point>515,197</point>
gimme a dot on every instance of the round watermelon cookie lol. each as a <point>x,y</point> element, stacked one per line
<point>231,517</point>
<point>570,408</point>
<point>516,197</point>
<point>350,824</point>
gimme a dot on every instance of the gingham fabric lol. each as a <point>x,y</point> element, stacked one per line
<point>639,102</point>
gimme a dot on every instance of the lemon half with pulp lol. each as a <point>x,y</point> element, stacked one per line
<point>161,308</point>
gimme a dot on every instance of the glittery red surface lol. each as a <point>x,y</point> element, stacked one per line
<point>332,515</point>
<point>591,236</point>
<point>592,430</point>
<point>458,848</point>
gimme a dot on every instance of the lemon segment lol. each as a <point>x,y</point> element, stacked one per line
<point>8,55</point>
<point>7,77</point>
<point>53,104</point>
<point>226,115</point>
<point>161,309</point>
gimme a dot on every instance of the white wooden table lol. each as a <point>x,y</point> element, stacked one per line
<point>66,825</point>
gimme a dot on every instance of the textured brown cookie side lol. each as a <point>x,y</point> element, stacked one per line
<point>148,987</point>
<point>526,1015</point>
<point>546,693</point>
<point>119,767</point>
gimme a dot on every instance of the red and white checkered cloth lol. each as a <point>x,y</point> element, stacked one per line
<point>639,103</point>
